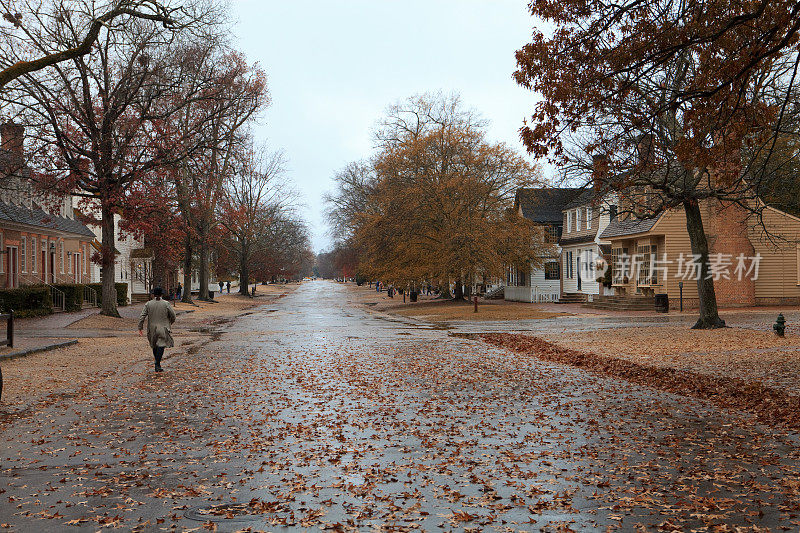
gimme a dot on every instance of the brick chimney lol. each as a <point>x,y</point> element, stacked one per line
<point>645,148</point>
<point>11,138</point>
<point>599,172</point>
<point>728,235</point>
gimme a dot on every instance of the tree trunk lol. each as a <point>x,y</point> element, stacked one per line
<point>109,290</point>
<point>186,297</point>
<point>159,273</point>
<point>445,292</point>
<point>244,272</point>
<point>203,269</point>
<point>458,290</point>
<point>709,315</point>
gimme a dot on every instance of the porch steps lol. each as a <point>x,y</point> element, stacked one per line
<point>139,298</point>
<point>622,303</point>
<point>495,294</point>
<point>572,298</point>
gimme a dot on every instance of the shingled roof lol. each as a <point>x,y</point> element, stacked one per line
<point>41,219</point>
<point>628,226</point>
<point>545,205</point>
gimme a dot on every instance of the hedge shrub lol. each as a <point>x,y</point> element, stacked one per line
<point>122,293</point>
<point>73,296</point>
<point>31,300</point>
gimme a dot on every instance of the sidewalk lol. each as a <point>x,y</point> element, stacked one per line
<point>106,347</point>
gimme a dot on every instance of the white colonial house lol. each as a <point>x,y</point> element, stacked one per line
<point>583,253</point>
<point>544,207</point>
<point>126,247</point>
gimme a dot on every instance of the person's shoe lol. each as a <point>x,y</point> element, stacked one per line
<point>159,369</point>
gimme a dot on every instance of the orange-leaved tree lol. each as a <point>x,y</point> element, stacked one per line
<point>435,201</point>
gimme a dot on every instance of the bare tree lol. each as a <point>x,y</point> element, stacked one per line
<point>240,94</point>
<point>97,119</point>
<point>32,26</point>
<point>254,201</point>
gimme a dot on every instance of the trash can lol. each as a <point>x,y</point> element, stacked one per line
<point>662,303</point>
<point>413,295</point>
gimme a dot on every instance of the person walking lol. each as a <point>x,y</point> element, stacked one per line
<point>160,317</point>
<point>228,286</point>
<point>178,291</point>
<point>221,285</point>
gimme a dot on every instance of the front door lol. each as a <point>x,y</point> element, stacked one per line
<point>578,268</point>
<point>76,267</point>
<point>52,267</point>
<point>11,271</point>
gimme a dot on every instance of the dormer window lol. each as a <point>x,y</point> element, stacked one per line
<point>588,218</point>
<point>569,221</point>
<point>577,220</point>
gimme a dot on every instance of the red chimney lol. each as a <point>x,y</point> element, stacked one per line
<point>11,138</point>
<point>645,148</point>
<point>599,172</point>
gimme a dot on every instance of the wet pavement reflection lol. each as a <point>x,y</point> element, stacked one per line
<point>313,412</point>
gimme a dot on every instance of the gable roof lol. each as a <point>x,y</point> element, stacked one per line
<point>629,226</point>
<point>584,197</point>
<point>545,205</point>
<point>42,219</point>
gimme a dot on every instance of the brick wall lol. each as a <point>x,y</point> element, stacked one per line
<point>727,234</point>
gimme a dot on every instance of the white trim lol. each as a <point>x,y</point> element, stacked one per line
<point>23,254</point>
<point>784,213</point>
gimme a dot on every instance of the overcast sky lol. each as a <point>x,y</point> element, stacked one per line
<point>334,66</point>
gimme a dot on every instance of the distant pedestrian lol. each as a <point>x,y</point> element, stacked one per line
<point>178,291</point>
<point>228,286</point>
<point>160,317</point>
<point>221,285</point>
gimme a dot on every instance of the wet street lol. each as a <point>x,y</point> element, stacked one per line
<point>314,413</point>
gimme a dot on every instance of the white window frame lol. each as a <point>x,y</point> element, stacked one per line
<point>577,220</point>
<point>569,221</point>
<point>23,251</point>
<point>617,273</point>
<point>644,266</point>
<point>61,252</point>
<point>69,264</point>
<point>34,251</point>
<point>85,261</point>
<point>588,218</point>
